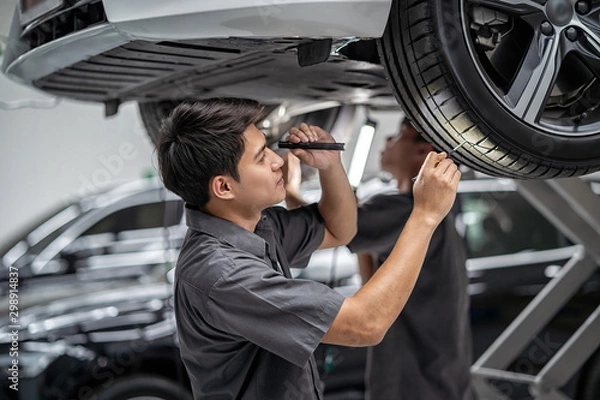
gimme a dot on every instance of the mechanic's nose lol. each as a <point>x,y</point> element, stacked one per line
<point>277,161</point>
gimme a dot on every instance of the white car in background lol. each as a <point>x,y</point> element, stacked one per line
<point>515,80</point>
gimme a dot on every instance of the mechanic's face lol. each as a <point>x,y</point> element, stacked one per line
<point>402,153</point>
<point>261,179</point>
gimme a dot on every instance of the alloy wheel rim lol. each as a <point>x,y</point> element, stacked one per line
<point>550,79</point>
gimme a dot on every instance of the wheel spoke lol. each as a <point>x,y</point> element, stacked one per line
<point>594,13</point>
<point>592,35</point>
<point>511,6</point>
<point>534,81</point>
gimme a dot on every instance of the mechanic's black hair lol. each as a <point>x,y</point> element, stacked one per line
<point>418,136</point>
<point>202,140</point>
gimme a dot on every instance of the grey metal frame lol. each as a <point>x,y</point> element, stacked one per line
<point>574,209</point>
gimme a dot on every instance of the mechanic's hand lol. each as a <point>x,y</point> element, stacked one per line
<point>434,190</point>
<point>320,159</point>
<point>292,172</point>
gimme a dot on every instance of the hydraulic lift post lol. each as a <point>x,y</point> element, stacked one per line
<point>574,209</point>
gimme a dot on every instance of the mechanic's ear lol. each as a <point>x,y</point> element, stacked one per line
<point>220,187</point>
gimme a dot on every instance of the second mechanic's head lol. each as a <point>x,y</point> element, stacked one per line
<point>405,152</point>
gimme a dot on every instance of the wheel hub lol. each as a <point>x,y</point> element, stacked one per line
<point>542,65</point>
<point>559,12</point>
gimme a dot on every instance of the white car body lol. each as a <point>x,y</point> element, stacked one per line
<point>191,19</point>
<point>156,20</point>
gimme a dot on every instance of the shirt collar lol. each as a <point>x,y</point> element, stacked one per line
<point>231,233</point>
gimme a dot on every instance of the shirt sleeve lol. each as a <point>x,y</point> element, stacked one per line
<point>380,222</point>
<point>300,230</point>
<point>287,317</point>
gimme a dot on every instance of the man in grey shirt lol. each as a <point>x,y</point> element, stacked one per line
<point>426,353</point>
<point>246,329</point>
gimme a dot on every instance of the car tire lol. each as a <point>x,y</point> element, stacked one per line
<point>154,387</point>
<point>425,52</point>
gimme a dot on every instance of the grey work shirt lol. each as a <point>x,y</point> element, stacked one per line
<point>426,353</point>
<point>246,329</point>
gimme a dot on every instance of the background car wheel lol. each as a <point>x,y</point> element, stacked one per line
<point>144,387</point>
<point>518,81</point>
<point>152,114</point>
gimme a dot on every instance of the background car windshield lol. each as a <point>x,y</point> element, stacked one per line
<point>503,223</point>
<point>145,216</point>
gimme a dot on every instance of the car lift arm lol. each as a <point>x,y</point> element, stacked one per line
<point>574,209</point>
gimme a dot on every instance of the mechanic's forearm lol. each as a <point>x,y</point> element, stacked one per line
<point>338,203</point>
<point>365,317</point>
<point>387,291</point>
<point>366,266</point>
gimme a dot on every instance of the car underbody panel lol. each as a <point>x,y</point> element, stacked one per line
<point>262,69</point>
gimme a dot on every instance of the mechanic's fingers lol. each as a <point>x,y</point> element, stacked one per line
<point>296,135</point>
<point>433,159</point>
<point>322,134</point>
<point>441,157</point>
<point>446,166</point>
<point>310,133</point>
<point>304,133</point>
<point>293,135</point>
<point>299,135</point>
<point>456,177</point>
<point>307,133</point>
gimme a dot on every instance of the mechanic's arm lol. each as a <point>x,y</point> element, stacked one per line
<point>337,204</point>
<point>365,317</point>
<point>366,266</point>
<point>292,177</point>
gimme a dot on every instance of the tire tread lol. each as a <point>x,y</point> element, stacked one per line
<point>425,89</point>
